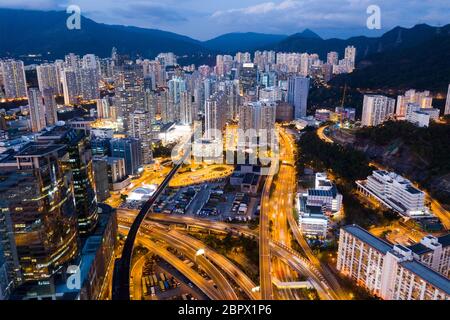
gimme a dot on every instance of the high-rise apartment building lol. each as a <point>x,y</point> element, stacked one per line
<point>167,59</point>
<point>215,114</point>
<point>103,108</point>
<point>37,110</point>
<point>89,84</point>
<point>376,110</point>
<point>70,86</point>
<point>187,111</point>
<point>298,90</point>
<point>90,61</point>
<point>51,112</point>
<point>447,102</point>
<point>304,64</point>
<point>387,271</point>
<point>129,91</point>
<point>14,82</point>
<point>332,58</point>
<point>140,128</point>
<point>350,58</point>
<point>248,78</point>
<point>176,87</point>
<point>260,117</point>
<point>49,77</point>
<point>421,99</point>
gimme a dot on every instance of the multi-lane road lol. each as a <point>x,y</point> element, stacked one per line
<point>288,255</point>
<point>209,261</point>
<point>265,272</point>
<point>276,256</point>
<point>289,144</point>
<point>281,201</point>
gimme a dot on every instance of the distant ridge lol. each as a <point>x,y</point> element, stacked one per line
<point>24,32</point>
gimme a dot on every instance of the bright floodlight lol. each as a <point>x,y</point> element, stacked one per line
<point>255,289</point>
<point>200,252</point>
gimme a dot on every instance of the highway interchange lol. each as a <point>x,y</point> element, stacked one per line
<point>279,263</point>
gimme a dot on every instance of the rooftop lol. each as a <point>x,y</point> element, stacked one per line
<point>419,248</point>
<point>444,240</point>
<point>38,150</point>
<point>368,238</point>
<point>323,193</point>
<point>428,275</point>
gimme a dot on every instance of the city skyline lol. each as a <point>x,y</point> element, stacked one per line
<point>204,21</point>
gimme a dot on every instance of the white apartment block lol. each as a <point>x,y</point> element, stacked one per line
<point>434,252</point>
<point>421,117</point>
<point>49,77</point>
<point>395,192</point>
<point>447,102</point>
<point>423,99</point>
<point>350,58</point>
<point>376,110</point>
<point>387,271</point>
<point>14,82</point>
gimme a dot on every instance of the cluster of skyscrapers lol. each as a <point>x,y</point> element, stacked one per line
<point>54,174</point>
<point>413,106</point>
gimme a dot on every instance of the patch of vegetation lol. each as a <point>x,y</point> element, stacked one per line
<point>357,292</point>
<point>225,245</point>
<point>431,145</point>
<point>160,151</point>
<point>331,97</point>
<point>346,165</point>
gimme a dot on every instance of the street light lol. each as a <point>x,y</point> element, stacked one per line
<point>200,252</point>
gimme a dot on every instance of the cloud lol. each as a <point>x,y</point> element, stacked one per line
<point>259,9</point>
<point>290,16</point>
<point>32,5</point>
<point>150,11</point>
<point>208,18</point>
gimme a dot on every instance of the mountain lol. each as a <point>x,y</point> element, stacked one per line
<point>306,34</point>
<point>25,31</point>
<point>425,66</point>
<point>249,41</point>
<point>397,38</point>
<point>44,33</point>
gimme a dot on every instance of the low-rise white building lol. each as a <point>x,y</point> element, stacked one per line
<point>421,117</point>
<point>313,224</point>
<point>396,193</point>
<point>316,205</point>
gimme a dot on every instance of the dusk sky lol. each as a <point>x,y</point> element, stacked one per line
<point>205,19</point>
